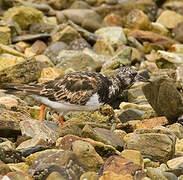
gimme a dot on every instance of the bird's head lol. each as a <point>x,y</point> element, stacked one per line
<point>128,76</point>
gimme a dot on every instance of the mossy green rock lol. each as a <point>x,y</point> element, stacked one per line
<point>24,16</point>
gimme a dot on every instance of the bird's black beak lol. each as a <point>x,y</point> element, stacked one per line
<point>141,78</point>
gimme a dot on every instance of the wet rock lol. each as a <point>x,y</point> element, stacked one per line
<point>24,16</point>
<point>160,41</point>
<point>66,35</point>
<point>87,155</point>
<point>103,135</point>
<point>137,19</point>
<point>134,156</point>
<point>79,17</point>
<point>177,32</point>
<point>159,144</point>
<point>79,44</point>
<point>23,72</point>
<point>66,163</point>
<point>78,61</point>
<point>53,50</point>
<point>165,99</point>
<point>130,114</point>
<point>169,19</point>
<point>177,129</point>
<point>112,35</point>
<point>18,175</point>
<point>122,166</point>
<point>112,19</point>
<point>32,128</point>
<point>5,35</point>
<point>30,37</point>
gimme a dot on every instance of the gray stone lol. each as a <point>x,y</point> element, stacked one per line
<point>155,173</point>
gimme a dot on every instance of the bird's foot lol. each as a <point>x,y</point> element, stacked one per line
<point>41,113</point>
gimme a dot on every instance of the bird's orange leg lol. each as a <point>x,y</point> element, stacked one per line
<point>41,113</point>
<point>61,118</point>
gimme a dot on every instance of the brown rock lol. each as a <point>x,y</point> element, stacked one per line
<point>159,144</point>
<point>112,20</point>
<point>159,40</point>
<point>113,176</point>
<point>165,99</point>
<point>122,166</point>
<point>177,32</point>
<point>137,19</point>
<point>39,47</point>
<point>169,19</point>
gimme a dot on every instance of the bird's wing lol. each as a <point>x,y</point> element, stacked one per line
<point>75,88</point>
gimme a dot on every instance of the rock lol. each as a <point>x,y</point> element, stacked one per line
<point>55,175</point>
<point>23,167</point>
<point>18,175</point>
<point>43,61</point>
<point>134,156</point>
<point>177,129</point>
<point>155,173</point>
<point>5,34</point>
<point>159,29</point>
<point>169,19</point>
<point>112,35</point>
<point>78,61</point>
<point>10,50</point>
<point>38,28</point>
<point>53,50</point>
<point>165,99</point>
<point>7,145</point>
<point>120,59</point>
<point>170,175</point>
<point>23,72</point>
<point>130,126</point>
<point>103,135</point>
<point>32,128</point>
<point>79,44</point>
<point>175,162</point>
<point>177,32</point>
<point>101,148</point>
<point>89,175</point>
<point>159,144</point>
<point>39,47</point>
<point>112,19</point>
<point>80,5</point>
<point>160,41</point>
<point>130,114</point>
<point>24,16</point>
<point>122,166</point>
<point>179,145</point>
<point>66,35</point>
<point>10,156</point>
<point>8,60</point>
<point>137,19</point>
<point>78,16</point>
<point>66,163</point>
<point>9,102</point>
<point>4,169</point>
<point>114,176</point>
<point>49,73</point>
<point>87,155</point>
<point>30,37</point>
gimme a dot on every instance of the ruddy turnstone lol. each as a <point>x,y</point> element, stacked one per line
<point>79,91</point>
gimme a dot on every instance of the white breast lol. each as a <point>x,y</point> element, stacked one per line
<point>64,107</point>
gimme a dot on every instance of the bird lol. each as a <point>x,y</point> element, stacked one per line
<point>79,91</point>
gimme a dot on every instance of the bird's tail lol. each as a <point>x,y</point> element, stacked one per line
<point>11,88</point>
